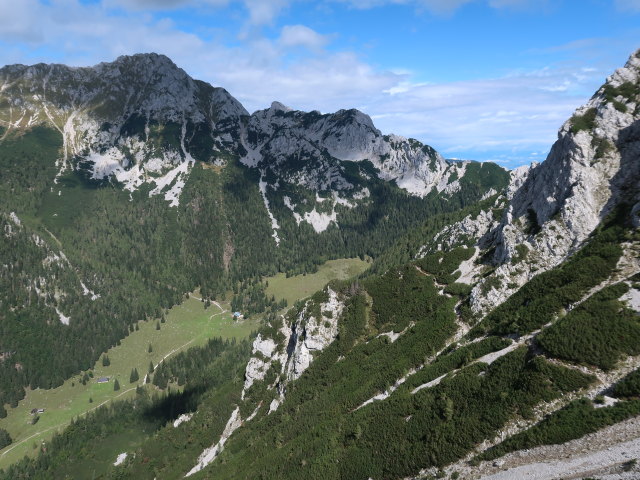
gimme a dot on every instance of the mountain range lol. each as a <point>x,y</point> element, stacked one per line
<point>500,312</point>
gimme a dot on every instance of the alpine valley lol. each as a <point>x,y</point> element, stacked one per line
<point>495,333</point>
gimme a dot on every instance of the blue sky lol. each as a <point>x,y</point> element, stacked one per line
<point>479,79</point>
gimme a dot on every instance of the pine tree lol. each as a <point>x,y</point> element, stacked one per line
<point>5,438</point>
<point>134,377</point>
<point>116,385</point>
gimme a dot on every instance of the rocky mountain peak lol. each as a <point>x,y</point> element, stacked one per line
<point>593,167</point>
<point>280,107</point>
<point>141,119</point>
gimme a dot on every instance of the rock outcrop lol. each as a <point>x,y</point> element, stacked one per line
<point>593,167</point>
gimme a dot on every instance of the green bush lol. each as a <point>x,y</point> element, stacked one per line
<point>629,386</point>
<point>5,438</point>
<point>587,121</point>
<point>573,421</point>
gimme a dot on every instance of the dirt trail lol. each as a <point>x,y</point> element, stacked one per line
<point>607,449</point>
<point>64,424</point>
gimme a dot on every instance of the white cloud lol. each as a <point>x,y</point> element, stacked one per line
<point>301,36</point>
<point>16,20</point>
<point>260,12</point>
<point>264,11</point>
<point>515,114</point>
<point>628,5</point>
<point>447,7</point>
<point>516,4</point>
<point>163,4</point>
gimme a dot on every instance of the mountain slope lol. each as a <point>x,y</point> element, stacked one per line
<point>408,376</point>
<point>514,327</point>
<point>137,178</point>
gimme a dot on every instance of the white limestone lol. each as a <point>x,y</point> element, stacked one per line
<point>212,452</point>
<point>120,459</point>
<point>63,318</point>
<point>568,195</point>
<point>185,417</point>
<point>632,297</point>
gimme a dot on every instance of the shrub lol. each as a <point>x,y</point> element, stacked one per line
<point>584,122</point>
<point>5,438</point>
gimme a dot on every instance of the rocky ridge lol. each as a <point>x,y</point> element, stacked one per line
<point>138,120</point>
<point>550,209</point>
<point>141,120</point>
<point>285,357</point>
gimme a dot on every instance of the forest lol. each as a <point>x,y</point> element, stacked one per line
<point>83,246</point>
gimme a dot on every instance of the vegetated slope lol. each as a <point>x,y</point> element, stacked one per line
<point>385,406</point>
<point>378,379</point>
<point>414,369</point>
<point>127,184</point>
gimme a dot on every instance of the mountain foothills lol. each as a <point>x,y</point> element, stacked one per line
<point>501,311</point>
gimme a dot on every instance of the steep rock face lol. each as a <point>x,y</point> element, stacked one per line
<point>297,340</point>
<point>311,142</point>
<point>592,168</point>
<point>285,357</point>
<point>141,118</point>
<point>316,333</point>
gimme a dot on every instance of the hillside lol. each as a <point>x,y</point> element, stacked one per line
<point>129,184</point>
<point>508,323</point>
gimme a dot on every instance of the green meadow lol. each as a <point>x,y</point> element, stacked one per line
<point>188,324</point>
<point>302,286</point>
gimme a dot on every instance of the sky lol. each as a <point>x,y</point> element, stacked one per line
<point>475,79</point>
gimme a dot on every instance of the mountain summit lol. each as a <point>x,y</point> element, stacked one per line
<point>142,120</point>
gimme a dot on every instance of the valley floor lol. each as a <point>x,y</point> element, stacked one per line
<point>188,324</point>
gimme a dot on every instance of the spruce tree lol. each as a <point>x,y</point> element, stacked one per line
<point>157,325</point>
<point>105,360</point>
<point>5,438</point>
<point>150,348</point>
<point>134,376</point>
<point>151,367</point>
<point>116,385</point>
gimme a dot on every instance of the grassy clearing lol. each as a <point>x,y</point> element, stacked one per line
<point>302,286</point>
<point>187,325</point>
